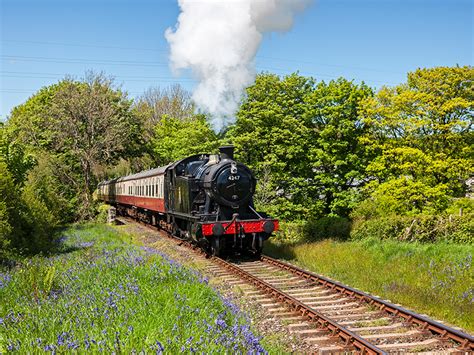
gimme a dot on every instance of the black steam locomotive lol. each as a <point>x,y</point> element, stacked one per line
<point>206,199</point>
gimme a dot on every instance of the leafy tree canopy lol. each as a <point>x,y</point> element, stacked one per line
<point>83,125</point>
<point>176,138</point>
<point>424,129</point>
<point>304,136</point>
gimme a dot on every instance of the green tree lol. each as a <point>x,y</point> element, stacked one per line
<point>84,125</point>
<point>421,133</point>
<point>338,158</point>
<point>8,214</point>
<point>302,139</point>
<point>13,154</point>
<point>155,103</point>
<point>273,135</point>
<point>176,138</point>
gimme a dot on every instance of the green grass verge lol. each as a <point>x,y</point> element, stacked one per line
<point>101,293</point>
<point>436,279</point>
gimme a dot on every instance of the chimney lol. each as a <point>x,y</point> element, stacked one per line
<point>227,152</point>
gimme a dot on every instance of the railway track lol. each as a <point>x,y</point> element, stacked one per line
<point>339,318</point>
<point>333,317</point>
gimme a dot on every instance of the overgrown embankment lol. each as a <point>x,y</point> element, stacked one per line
<point>100,293</point>
<point>432,278</point>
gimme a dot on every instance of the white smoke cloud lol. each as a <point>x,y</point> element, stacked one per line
<point>218,40</point>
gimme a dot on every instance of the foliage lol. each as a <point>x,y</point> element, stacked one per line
<point>328,227</point>
<point>100,294</point>
<point>304,137</point>
<point>421,139</point>
<point>431,278</point>
<point>13,154</point>
<point>290,232</point>
<point>177,138</point>
<point>26,221</point>
<point>419,228</point>
<point>5,230</point>
<point>461,206</point>
<point>11,212</point>
<point>84,125</point>
<point>173,101</point>
<point>339,160</point>
<point>403,196</point>
<point>155,103</point>
<point>423,129</point>
<point>44,184</point>
<point>103,211</point>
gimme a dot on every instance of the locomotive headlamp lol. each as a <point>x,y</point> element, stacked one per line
<point>218,229</point>
<point>268,227</point>
<point>233,168</point>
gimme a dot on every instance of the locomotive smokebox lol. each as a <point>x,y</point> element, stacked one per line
<point>227,152</point>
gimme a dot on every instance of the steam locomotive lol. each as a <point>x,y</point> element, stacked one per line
<point>206,199</point>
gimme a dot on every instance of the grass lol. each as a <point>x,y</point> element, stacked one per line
<point>101,293</point>
<point>435,279</point>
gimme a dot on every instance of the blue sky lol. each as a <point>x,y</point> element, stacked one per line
<point>377,41</point>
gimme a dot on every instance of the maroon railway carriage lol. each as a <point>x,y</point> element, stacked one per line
<point>204,198</point>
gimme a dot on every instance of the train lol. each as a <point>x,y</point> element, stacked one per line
<point>205,199</point>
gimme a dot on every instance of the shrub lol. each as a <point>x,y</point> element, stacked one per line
<point>333,227</point>
<point>402,196</point>
<point>422,228</point>
<point>465,204</point>
<point>5,230</point>
<point>290,232</point>
<point>27,221</point>
<point>103,211</point>
<point>40,222</point>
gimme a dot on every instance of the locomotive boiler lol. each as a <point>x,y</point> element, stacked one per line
<point>205,198</point>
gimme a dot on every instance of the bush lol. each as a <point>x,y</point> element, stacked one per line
<point>422,228</point>
<point>402,196</point>
<point>5,230</point>
<point>290,232</point>
<point>41,223</point>
<point>103,211</point>
<point>465,204</point>
<point>333,227</point>
<point>27,222</point>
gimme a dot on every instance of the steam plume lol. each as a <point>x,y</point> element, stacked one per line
<point>218,40</point>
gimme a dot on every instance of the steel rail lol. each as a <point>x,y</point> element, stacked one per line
<point>349,338</point>
<point>465,340</point>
